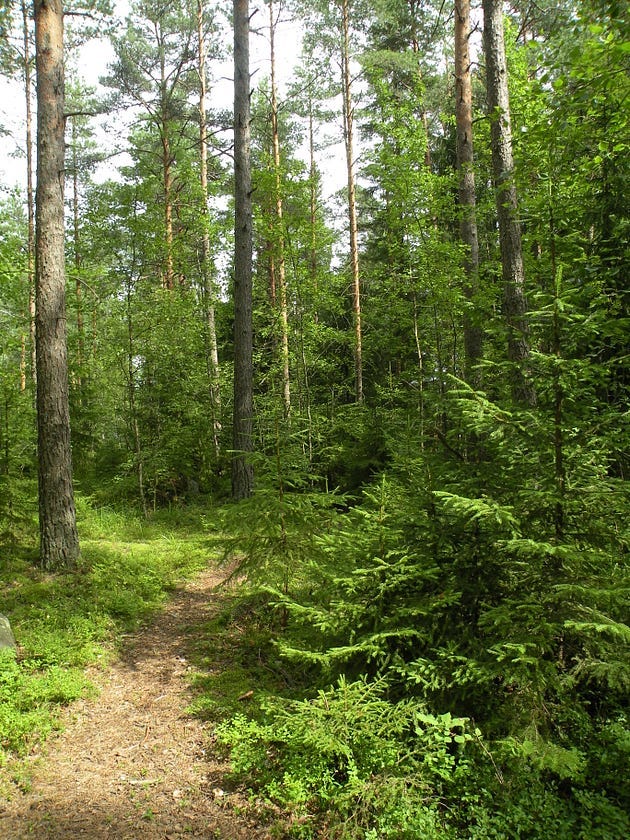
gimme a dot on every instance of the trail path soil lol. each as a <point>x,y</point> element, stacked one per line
<point>131,763</point>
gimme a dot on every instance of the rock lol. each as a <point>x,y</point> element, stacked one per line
<point>7,639</point>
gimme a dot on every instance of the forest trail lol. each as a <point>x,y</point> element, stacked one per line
<point>131,763</point>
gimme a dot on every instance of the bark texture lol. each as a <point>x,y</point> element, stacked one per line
<point>242,470</point>
<point>514,303</point>
<point>30,203</point>
<point>59,543</point>
<point>208,285</point>
<point>282,279</point>
<point>473,336</point>
<point>167,168</point>
<point>348,120</point>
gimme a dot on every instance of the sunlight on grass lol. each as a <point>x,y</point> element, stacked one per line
<point>65,622</point>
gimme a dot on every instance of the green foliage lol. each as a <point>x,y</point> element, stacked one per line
<point>450,580</point>
<point>462,581</point>
<point>343,763</point>
<point>272,535</point>
<point>17,426</point>
<point>350,763</point>
<point>30,699</point>
<point>63,623</point>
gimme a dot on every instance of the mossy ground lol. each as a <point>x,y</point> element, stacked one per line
<point>66,622</point>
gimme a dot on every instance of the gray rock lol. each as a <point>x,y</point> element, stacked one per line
<point>7,639</point>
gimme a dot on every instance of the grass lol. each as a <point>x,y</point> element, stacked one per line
<point>66,622</point>
<point>233,657</point>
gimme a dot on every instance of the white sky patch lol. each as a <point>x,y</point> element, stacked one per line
<point>90,63</point>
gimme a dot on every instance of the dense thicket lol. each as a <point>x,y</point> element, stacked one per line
<point>441,560</point>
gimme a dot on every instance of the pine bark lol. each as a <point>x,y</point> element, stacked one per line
<point>30,203</point>
<point>473,336</point>
<point>279,248</point>
<point>167,173</point>
<point>242,469</point>
<point>348,118</point>
<point>206,258</point>
<point>514,302</point>
<point>59,543</point>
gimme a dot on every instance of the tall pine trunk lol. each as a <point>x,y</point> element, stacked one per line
<point>30,203</point>
<point>348,122</point>
<point>279,244</point>
<point>242,469</point>
<point>167,174</point>
<point>514,303</point>
<point>208,286</point>
<point>59,543</point>
<point>473,336</point>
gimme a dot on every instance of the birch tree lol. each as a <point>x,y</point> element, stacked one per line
<point>281,273</point>
<point>348,132</point>
<point>30,203</point>
<point>207,283</point>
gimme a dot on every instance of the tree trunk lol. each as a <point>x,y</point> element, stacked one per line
<point>167,175</point>
<point>208,289</point>
<point>59,543</point>
<point>514,303</point>
<point>313,262</point>
<point>242,469</point>
<point>133,413</point>
<point>77,261</point>
<point>279,245</point>
<point>473,336</point>
<point>348,119</point>
<point>30,204</point>
<point>168,209</point>
<point>414,8</point>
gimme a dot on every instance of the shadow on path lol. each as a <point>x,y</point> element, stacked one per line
<point>132,763</point>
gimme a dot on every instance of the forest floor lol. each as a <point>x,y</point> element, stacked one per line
<point>131,761</point>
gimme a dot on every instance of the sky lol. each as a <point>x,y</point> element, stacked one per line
<point>91,63</point>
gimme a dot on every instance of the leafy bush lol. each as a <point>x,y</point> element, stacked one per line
<point>350,763</point>
<point>29,698</point>
<point>465,584</point>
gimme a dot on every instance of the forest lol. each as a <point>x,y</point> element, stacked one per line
<point>357,336</point>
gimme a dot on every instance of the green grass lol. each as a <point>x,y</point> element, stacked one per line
<point>65,622</point>
<point>233,656</point>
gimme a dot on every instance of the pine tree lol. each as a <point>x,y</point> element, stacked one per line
<point>514,302</point>
<point>59,542</point>
<point>242,469</point>
<point>473,337</point>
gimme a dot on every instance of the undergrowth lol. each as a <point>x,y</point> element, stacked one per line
<point>454,664</point>
<point>234,660</point>
<point>64,622</point>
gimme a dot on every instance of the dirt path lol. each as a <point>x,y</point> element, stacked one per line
<point>131,763</point>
